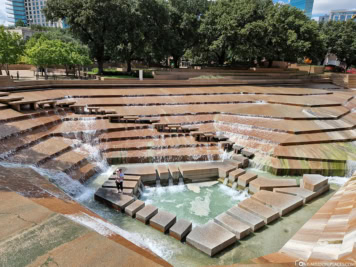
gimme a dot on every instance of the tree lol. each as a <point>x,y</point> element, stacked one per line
<point>20,23</point>
<point>92,21</point>
<point>11,48</point>
<point>184,22</point>
<point>289,34</point>
<point>227,29</point>
<point>339,38</point>
<point>140,33</point>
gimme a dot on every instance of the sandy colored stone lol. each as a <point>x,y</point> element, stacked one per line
<point>245,179</point>
<point>255,222</point>
<point>163,220</point>
<point>234,175</point>
<point>264,212</point>
<point>234,225</point>
<point>280,202</point>
<point>112,199</point>
<point>210,238</point>
<point>262,183</point>
<point>146,213</point>
<point>134,207</point>
<point>313,182</point>
<point>180,229</point>
<point>162,172</point>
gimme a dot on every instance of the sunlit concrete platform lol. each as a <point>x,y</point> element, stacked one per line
<point>113,199</point>
<point>180,229</point>
<point>134,207</point>
<point>248,218</point>
<point>163,221</point>
<point>234,175</point>
<point>255,207</point>
<point>145,214</point>
<point>262,183</point>
<point>313,182</point>
<point>306,194</point>
<point>234,225</point>
<point>245,179</point>
<point>210,238</point>
<point>280,202</point>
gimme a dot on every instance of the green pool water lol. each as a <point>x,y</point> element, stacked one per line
<point>200,203</point>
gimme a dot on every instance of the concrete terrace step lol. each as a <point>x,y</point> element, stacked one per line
<point>146,172</point>
<point>145,214</point>
<point>306,194</point>
<point>234,175</point>
<point>113,199</point>
<point>234,225</point>
<point>44,151</point>
<point>174,171</point>
<point>167,155</point>
<point>280,202</point>
<point>134,207</point>
<point>16,128</point>
<point>180,229</point>
<point>134,185</point>
<point>210,238</point>
<point>84,172</point>
<point>67,161</point>
<point>264,212</point>
<point>245,179</point>
<point>262,183</point>
<point>313,182</point>
<point>248,218</point>
<point>162,172</point>
<point>163,221</point>
<point>196,171</point>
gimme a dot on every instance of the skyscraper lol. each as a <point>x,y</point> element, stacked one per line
<point>30,12</point>
<point>305,5</point>
<point>16,11</point>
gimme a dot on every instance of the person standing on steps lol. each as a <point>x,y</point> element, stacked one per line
<point>119,180</point>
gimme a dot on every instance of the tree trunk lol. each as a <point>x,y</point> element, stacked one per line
<point>100,66</point>
<point>176,62</point>
<point>128,62</point>
<point>270,63</point>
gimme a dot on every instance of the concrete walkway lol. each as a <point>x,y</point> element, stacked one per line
<point>32,235</point>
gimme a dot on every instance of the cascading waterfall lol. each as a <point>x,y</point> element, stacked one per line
<point>226,180</point>
<point>234,185</point>
<point>181,181</point>
<point>350,168</point>
<point>170,181</point>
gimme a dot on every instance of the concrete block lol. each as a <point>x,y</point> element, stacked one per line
<point>134,207</point>
<point>233,176</point>
<point>262,183</point>
<point>280,202</point>
<point>255,222</point>
<point>180,229</point>
<point>210,238</point>
<point>247,154</point>
<point>266,213</point>
<point>245,179</point>
<point>234,225</point>
<point>163,220</point>
<point>313,182</point>
<point>244,161</point>
<point>162,172</point>
<point>146,213</point>
<point>112,199</point>
<point>174,171</point>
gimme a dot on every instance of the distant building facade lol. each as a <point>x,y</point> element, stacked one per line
<point>25,33</point>
<point>339,15</point>
<point>304,5</point>
<point>30,12</point>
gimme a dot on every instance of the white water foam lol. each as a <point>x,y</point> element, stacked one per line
<point>108,229</point>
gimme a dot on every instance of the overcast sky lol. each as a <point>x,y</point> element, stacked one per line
<point>321,7</point>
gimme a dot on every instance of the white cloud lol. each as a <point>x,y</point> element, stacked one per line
<point>325,6</point>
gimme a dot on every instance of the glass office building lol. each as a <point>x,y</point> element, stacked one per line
<point>30,12</point>
<point>342,15</point>
<point>305,5</point>
<point>15,10</point>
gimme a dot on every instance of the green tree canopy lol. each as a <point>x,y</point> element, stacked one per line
<point>11,47</point>
<point>20,23</point>
<point>340,39</point>
<point>92,21</point>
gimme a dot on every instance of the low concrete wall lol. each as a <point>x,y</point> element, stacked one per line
<point>5,81</point>
<point>306,68</point>
<point>344,80</point>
